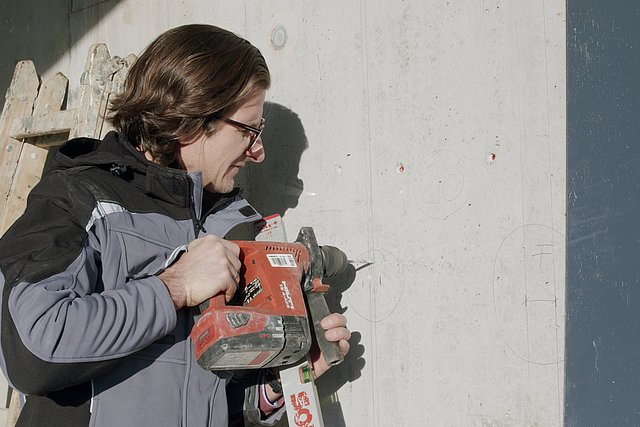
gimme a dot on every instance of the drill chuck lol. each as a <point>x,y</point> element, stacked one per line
<point>334,261</point>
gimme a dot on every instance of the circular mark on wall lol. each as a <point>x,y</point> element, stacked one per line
<point>378,288</point>
<point>528,293</point>
<point>278,37</point>
<point>445,187</point>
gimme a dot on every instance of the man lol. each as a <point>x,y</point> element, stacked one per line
<point>124,235</point>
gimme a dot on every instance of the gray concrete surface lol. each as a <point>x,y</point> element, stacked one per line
<point>429,138</point>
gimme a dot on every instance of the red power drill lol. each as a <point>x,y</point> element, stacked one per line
<point>270,327</point>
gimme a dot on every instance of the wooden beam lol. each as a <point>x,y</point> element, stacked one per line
<point>45,124</point>
<point>90,111</point>
<point>32,158</point>
<point>18,103</point>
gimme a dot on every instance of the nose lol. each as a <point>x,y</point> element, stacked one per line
<point>255,153</point>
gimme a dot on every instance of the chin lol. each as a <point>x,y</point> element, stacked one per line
<point>220,188</point>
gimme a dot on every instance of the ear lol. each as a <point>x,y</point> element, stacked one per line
<point>190,151</point>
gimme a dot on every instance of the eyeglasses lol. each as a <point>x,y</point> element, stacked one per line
<point>254,132</point>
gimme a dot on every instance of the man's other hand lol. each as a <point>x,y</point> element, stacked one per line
<point>335,327</point>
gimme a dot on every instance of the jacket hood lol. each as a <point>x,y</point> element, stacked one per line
<point>113,148</point>
<point>117,156</point>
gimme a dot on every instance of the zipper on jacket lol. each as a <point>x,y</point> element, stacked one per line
<point>197,225</point>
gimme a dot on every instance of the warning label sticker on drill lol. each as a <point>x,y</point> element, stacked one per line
<point>252,290</point>
<point>282,260</point>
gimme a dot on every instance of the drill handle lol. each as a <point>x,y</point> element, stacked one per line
<point>318,310</point>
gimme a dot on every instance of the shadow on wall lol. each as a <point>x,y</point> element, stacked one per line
<point>273,187</point>
<point>349,370</point>
<point>43,31</point>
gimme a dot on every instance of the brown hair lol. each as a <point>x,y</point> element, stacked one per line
<point>182,78</point>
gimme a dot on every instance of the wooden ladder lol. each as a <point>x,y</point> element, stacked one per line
<point>34,121</point>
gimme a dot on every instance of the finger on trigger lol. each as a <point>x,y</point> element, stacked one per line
<point>230,292</point>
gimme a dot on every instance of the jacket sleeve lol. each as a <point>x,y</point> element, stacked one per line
<point>59,326</point>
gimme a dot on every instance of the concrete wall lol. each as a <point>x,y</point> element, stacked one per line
<point>429,138</point>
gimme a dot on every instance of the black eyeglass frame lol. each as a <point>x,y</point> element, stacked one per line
<point>255,132</point>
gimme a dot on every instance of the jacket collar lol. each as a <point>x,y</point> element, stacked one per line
<point>116,155</point>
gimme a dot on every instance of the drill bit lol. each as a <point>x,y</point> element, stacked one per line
<point>361,263</point>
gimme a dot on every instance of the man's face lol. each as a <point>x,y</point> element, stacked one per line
<point>220,155</point>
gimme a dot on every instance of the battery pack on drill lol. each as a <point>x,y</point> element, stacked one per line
<point>269,326</point>
<point>280,297</point>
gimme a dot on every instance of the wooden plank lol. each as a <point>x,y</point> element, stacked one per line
<point>28,173</point>
<point>18,103</point>
<point>32,158</point>
<point>44,124</point>
<point>89,114</point>
<point>117,85</point>
<point>52,99</point>
<point>14,410</point>
<point>106,72</point>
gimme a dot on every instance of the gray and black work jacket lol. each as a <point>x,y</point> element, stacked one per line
<point>89,333</point>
